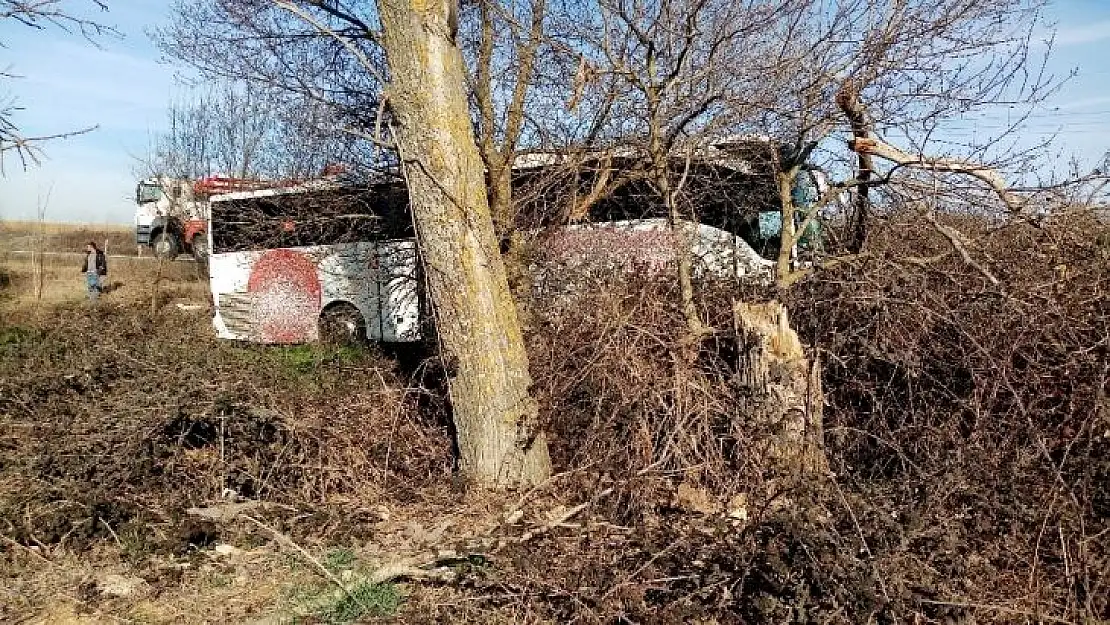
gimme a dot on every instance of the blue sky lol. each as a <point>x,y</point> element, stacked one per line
<point>122,87</point>
<point>68,83</point>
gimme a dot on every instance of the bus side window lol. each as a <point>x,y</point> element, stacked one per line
<point>310,219</point>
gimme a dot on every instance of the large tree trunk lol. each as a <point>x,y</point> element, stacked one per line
<point>495,417</point>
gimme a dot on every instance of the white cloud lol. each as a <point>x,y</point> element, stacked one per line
<point>1087,33</point>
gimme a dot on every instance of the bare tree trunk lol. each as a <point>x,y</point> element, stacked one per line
<point>684,254</point>
<point>500,442</point>
<point>784,269</point>
<point>501,200</point>
<point>37,259</point>
<point>156,286</point>
<point>848,101</point>
<point>661,178</point>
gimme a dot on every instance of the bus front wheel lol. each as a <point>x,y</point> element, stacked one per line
<point>342,324</point>
<point>166,245</point>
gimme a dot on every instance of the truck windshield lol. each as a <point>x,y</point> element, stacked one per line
<point>148,193</point>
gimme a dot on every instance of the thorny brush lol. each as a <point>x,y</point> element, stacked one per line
<point>967,427</point>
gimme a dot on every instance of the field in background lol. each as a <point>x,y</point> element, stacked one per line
<point>63,237</point>
<point>129,280</point>
<point>57,278</point>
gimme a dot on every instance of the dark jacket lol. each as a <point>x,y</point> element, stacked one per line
<point>101,263</point>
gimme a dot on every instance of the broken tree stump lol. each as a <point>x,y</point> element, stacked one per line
<point>784,390</point>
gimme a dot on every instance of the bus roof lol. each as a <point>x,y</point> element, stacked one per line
<point>306,187</point>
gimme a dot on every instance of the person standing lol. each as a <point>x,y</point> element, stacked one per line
<point>94,267</point>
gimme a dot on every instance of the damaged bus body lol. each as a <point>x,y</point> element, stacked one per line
<point>337,260</point>
<point>318,261</point>
<point>730,220</point>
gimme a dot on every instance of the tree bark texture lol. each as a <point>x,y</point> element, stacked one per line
<point>500,443</point>
<point>784,263</point>
<point>785,391</point>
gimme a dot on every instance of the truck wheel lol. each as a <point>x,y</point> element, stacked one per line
<point>200,247</point>
<point>166,245</point>
<point>342,324</point>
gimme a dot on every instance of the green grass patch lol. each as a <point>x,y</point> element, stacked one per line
<point>326,603</point>
<point>135,543</point>
<point>323,602</point>
<point>7,282</point>
<point>301,359</point>
<point>16,335</point>
<point>365,599</point>
<point>16,341</point>
<point>218,580</point>
<point>338,560</point>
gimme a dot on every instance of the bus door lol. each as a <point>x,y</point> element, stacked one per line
<point>398,290</point>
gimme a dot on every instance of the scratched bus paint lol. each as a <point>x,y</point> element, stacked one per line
<point>267,292</point>
<point>652,247</point>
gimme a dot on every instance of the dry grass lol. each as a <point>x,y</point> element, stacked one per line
<point>114,420</point>
<point>64,237</point>
<point>56,227</point>
<point>966,430</point>
<point>129,279</point>
<point>966,426</point>
<point>55,276</point>
<point>54,587</point>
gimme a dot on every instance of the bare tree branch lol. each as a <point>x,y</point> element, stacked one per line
<point>876,147</point>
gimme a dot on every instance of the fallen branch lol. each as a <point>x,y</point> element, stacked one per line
<point>225,512</point>
<point>29,550</point>
<point>435,566</point>
<point>411,570</point>
<point>285,540</point>
<point>553,523</point>
<point>878,147</point>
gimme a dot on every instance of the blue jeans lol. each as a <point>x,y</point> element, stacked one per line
<point>92,281</point>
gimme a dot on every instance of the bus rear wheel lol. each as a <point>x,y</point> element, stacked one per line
<point>342,324</point>
<point>166,245</point>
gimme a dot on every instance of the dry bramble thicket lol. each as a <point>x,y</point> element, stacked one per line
<point>966,430</point>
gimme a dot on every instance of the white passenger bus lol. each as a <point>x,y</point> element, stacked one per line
<point>336,261</point>
<point>319,261</point>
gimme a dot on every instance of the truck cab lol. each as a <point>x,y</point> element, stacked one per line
<point>170,218</point>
